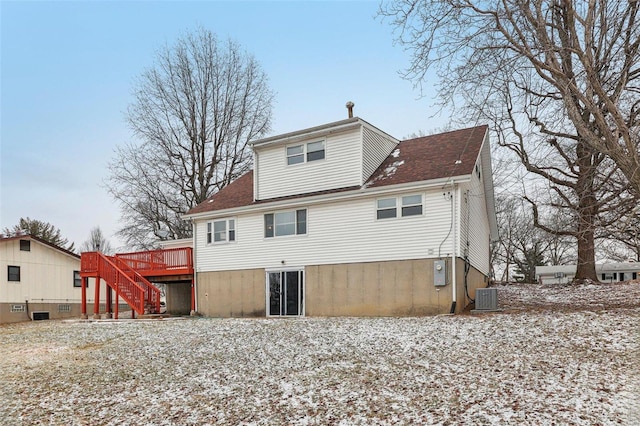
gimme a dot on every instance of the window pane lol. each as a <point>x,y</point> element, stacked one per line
<point>386,213</point>
<point>232,230</point>
<point>293,150</point>
<point>13,273</point>
<point>412,211</point>
<point>315,146</point>
<point>220,231</point>
<point>386,203</point>
<point>301,222</point>
<point>285,223</point>
<point>295,159</point>
<point>411,200</point>
<point>315,151</point>
<point>268,225</point>
<point>77,280</point>
<point>317,155</point>
<point>295,154</point>
<point>25,245</point>
<point>208,232</point>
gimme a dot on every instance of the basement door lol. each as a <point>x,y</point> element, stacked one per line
<point>285,293</point>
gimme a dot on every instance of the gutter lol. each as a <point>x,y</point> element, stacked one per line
<point>363,192</point>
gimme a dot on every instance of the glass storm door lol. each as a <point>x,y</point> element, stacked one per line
<point>286,293</point>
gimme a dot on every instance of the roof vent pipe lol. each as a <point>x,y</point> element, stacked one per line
<point>350,106</point>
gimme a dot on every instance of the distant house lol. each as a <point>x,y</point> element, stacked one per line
<point>606,272</point>
<point>345,220</point>
<point>38,280</point>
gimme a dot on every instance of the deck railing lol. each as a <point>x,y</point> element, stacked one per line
<point>139,293</point>
<point>160,262</point>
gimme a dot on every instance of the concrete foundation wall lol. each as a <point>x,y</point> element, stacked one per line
<point>232,293</point>
<point>178,298</point>
<point>394,288</point>
<point>6,316</point>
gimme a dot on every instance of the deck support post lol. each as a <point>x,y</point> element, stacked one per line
<point>108,302</point>
<point>117,309</point>
<point>193,297</point>
<point>83,308</point>
<point>96,300</point>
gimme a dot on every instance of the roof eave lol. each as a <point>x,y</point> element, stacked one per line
<point>318,131</point>
<point>363,192</point>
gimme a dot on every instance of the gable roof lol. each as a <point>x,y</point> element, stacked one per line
<point>444,155</point>
<point>41,241</point>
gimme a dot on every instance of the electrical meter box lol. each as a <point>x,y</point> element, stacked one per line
<point>440,273</point>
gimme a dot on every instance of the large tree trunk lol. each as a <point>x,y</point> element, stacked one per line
<point>587,212</point>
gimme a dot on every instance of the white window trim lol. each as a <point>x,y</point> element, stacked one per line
<point>305,152</point>
<point>295,234</point>
<point>399,207</point>
<point>210,224</point>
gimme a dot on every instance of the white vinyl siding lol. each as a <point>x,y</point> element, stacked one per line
<point>474,224</point>
<point>375,148</point>
<point>340,167</point>
<point>46,274</point>
<point>341,232</point>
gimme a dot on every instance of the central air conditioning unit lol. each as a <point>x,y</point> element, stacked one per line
<point>486,299</point>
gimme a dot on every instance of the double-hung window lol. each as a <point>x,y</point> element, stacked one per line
<point>293,222</point>
<point>302,153</point>
<point>386,208</point>
<point>221,231</point>
<point>410,205</point>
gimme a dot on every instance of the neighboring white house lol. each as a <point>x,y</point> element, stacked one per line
<point>344,219</point>
<point>38,280</point>
<point>606,272</point>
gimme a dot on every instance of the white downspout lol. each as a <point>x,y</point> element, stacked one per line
<point>453,245</point>
<point>195,268</point>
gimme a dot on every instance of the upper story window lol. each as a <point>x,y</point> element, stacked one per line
<point>386,208</point>
<point>221,231</point>
<point>13,273</point>
<point>292,222</point>
<point>25,245</point>
<point>410,205</point>
<point>301,153</point>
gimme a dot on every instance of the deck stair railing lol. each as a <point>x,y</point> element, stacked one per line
<point>133,288</point>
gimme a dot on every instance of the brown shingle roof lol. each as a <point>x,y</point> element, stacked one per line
<point>238,193</point>
<point>430,157</point>
<point>414,160</point>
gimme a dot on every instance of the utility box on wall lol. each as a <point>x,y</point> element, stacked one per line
<point>440,273</point>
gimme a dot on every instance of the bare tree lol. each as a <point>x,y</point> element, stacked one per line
<point>97,242</point>
<point>584,56</point>
<point>510,63</point>
<point>194,113</point>
<point>40,229</point>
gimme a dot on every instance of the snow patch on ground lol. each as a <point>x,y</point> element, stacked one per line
<point>532,364</point>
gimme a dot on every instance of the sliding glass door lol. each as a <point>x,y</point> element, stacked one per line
<point>285,293</point>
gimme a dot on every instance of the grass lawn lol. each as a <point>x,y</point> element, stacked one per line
<point>556,355</point>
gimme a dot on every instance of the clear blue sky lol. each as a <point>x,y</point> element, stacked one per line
<point>67,70</point>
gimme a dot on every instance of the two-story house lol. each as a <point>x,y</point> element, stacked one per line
<point>345,220</point>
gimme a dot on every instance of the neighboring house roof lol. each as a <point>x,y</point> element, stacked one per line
<point>41,241</point>
<point>444,155</point>
<point>600,268</point>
